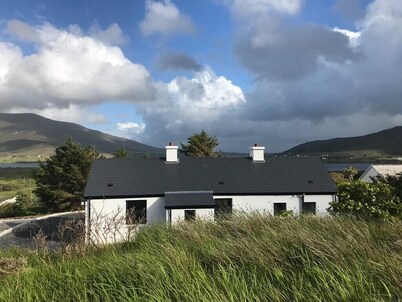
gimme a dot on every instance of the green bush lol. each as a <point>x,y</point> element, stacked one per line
<point>26,200</point>
<point>6,187</point>
<point>367,200</point>
<point>10,210</point>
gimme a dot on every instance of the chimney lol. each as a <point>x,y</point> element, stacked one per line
<point>171,154</point>
<point>257,153</point>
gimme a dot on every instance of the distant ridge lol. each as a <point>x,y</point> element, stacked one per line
<point>383,143</point>
<point>33,136</point>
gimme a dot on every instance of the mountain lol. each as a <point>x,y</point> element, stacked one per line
<point>384,143</point>
<point>29,136</point>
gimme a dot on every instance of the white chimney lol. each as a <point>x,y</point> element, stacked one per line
<point>257,153</point>
<point>171,154</point>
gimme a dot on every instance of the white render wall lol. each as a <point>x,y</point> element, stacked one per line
<point>265,204</point>
<point>108,218</point>
<point>177,215</point>
<point>322,202</point>
<point>368,174</point>
<point>108,223</point>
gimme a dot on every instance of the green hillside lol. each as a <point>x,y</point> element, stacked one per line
<point>386,143</point>
<point>30,137</point>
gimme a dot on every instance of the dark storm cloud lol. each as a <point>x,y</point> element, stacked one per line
<point>177,61</point>
<point>278,51</point>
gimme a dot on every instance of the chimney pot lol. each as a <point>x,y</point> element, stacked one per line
<point>171,154</point>
<point>257,153</point>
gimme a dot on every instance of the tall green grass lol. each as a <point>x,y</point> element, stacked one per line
<point>251,258</point>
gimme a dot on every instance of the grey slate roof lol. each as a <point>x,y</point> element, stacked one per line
<point>189,200</point>
<point>146,177</point>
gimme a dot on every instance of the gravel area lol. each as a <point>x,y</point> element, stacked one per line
<point>23,236</point>
<point>6,225</point>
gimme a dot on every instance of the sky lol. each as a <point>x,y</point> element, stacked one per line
<point>273,72</point>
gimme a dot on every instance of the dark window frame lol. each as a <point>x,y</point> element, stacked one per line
<point>307,210</point>
<point>223,208</point>
<point>189,215</point>
<point>136,212</point>
<point>278,208</point>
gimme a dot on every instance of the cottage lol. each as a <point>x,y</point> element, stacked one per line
<point>375,171</point>
<point>167,190</point>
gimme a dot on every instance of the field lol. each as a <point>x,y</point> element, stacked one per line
<point>251,258</point>
<point>18,182</point>
<point>10,187</point>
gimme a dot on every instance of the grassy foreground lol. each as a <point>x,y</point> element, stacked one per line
<point>246,259</point>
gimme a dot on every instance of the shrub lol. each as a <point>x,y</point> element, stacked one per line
<point>10,210</point>
<point>366,200</point>
<point>26,199</point>
<point>7,187</point>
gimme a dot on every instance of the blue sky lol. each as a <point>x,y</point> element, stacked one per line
<point>273,72</point>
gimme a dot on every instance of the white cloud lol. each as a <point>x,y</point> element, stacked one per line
<point>130,130</point>
<point>165,18</point>
<point>113,35</point>
<point>353,36</point>
<point>250,8</point>
<point>67,68</point>
<point>187,105</point>
<point>22,31</point>
<point>131,126</point>
<point>73,113</point>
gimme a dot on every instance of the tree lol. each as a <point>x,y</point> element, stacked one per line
<point>395,181</point>
<point>121,153</point>
<point>349,173</point>
<point>201,145</point>
<point>61,180</point>
<point>367,200</point>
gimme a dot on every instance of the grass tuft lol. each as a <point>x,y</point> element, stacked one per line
<point>251,258</point>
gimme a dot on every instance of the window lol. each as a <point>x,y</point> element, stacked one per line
<point>189,215</point>
<point>279,207</point>
<point>309,208</point>
<point>136,212</point>
<point>223,208</point>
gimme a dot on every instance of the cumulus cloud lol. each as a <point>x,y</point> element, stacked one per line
<point>73,113</point>
<point>67,68</point>
<point>131,130</point>
<point>113,35</point>
<point>187,105</point>
<point>177,61</point>
<point>165,18</point>
<point>22,31</point>
<point>247,8</point>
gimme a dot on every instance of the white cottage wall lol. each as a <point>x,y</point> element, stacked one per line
<point>108,218</point>
<point>264,204</point>
<point>368,174</point>
<point>108,224</point>
<point>177,215</point>
<point>322,202</point>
